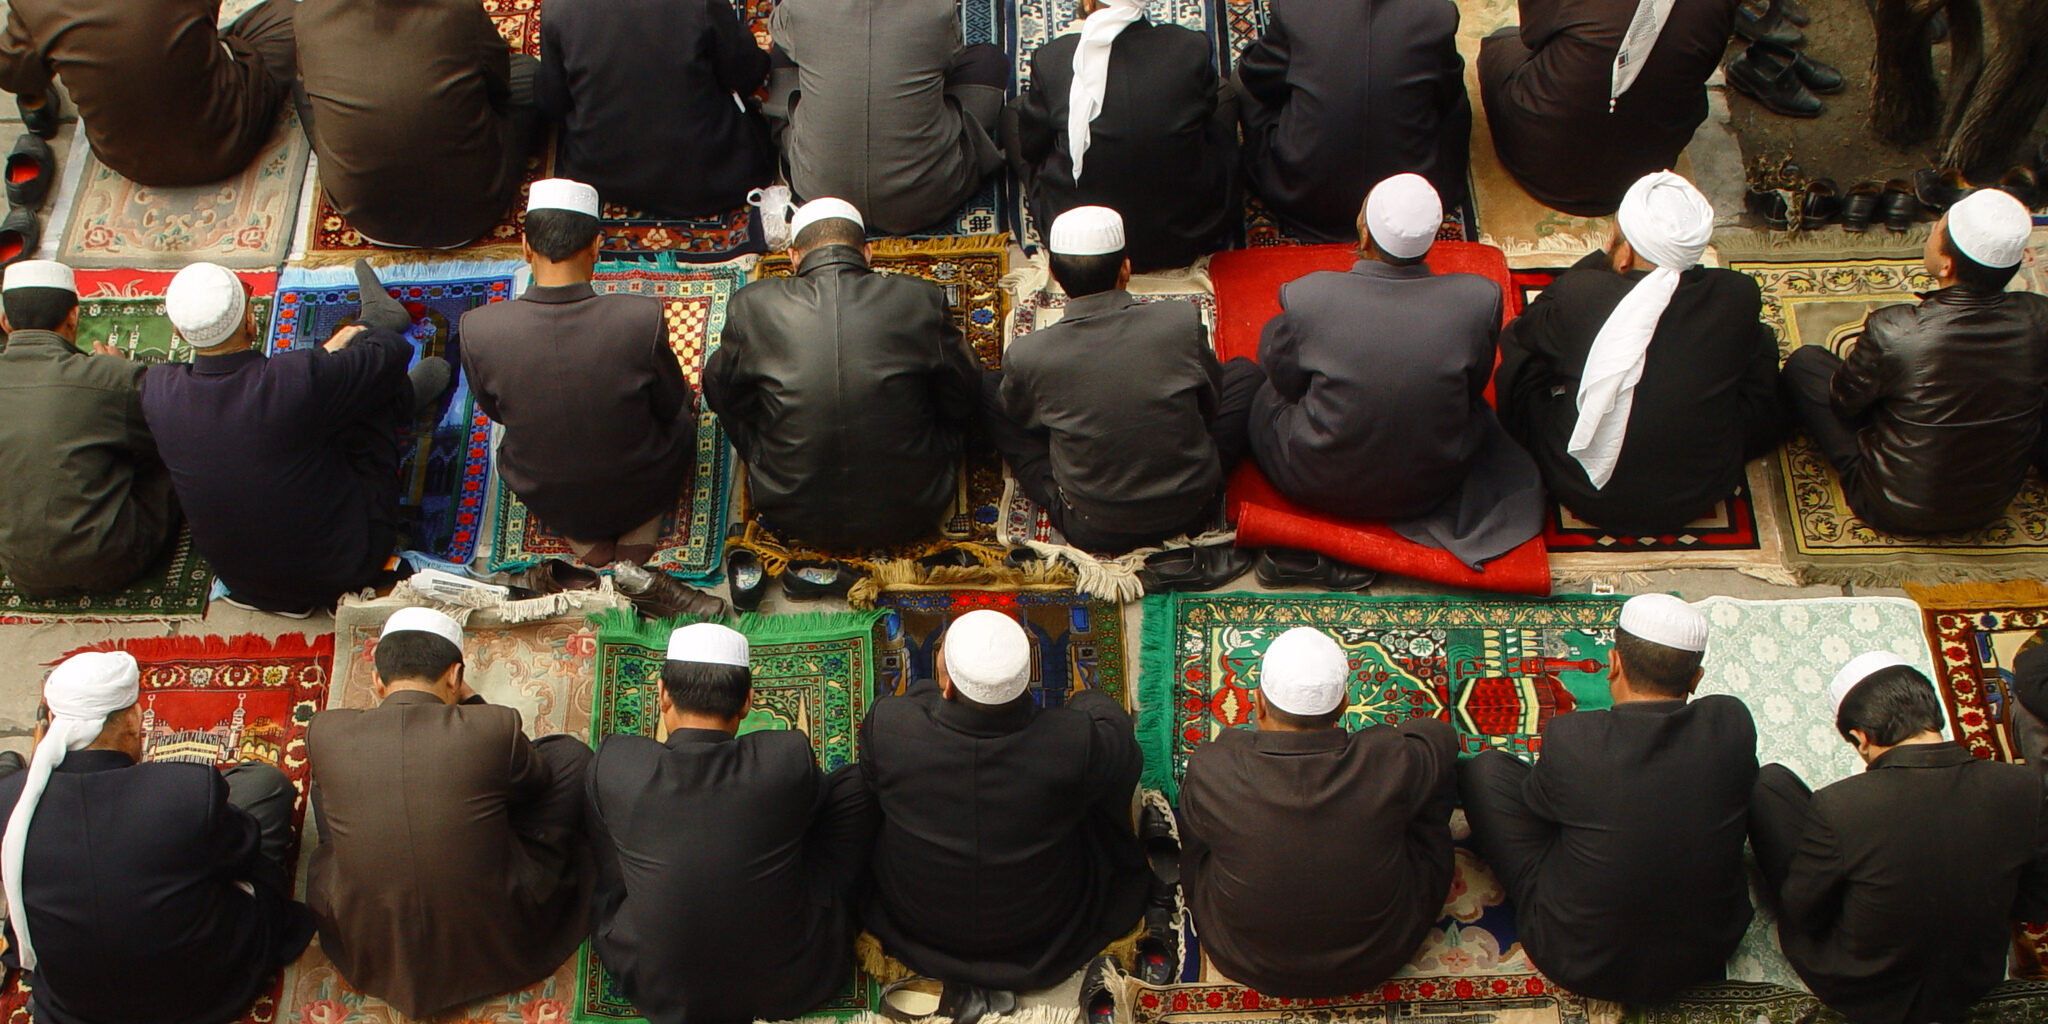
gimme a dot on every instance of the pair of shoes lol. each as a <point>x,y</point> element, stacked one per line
<point>1291,567</point>
<point>237,602</point>
<point>1193,569</point>
<point>747,579</point>
<point>1783,79</point>
<point>30,170</point>
<point>660,596</point>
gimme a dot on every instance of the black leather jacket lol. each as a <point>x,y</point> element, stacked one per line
<point>849,394</point>
<point>1948,398</point>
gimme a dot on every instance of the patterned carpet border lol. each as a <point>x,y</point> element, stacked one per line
<point>2014,1002</point>
<point>1077,641</point>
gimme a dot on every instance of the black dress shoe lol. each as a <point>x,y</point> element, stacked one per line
<point>1899,207</point>
<point>1860,205</point>
<point>1769,27</point>
<point>2024,185</point>
<point>30,170</point>
<point>657,595</point>
<point>1939,190</point>
<point>1770,206</point>
<point>745,580</point>
<point>1819,77</point>
<point>20,233</point>
<point>42,120</point>
<point>968,1004</point>
<point>1194,569</point>
<point>1098,1005</point>
<point>810,580</point>
<point>1292,567</point>
<point>1821,205</point>
<point>1793,11</point>
<point>1765,76</point>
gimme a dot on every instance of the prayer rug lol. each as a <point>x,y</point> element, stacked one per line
<point>176,586</point>
<point>446,462</point>
<point>1078,641</point>
<point>2015,1002</point>
<point>222,701</point>
<point>1975,631</point>
<point>125,309</point>
<point>245,222</point>
<point>1497,670</point>
<point>815,673</point>
<point>1247,295</point>
<point>692,538</point>
<point>1810,300</point>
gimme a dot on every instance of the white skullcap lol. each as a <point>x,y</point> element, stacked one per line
<point>1403,215</point>
<point>81,693</point>
<point>823,209</point>
<point>1859,668</point>
<point>562,194</point>
<point>423,620</point>
<point>39,274</point>
<point>1305,673</point>
<point>206,303</point>
<point>708,643</point>
<point>1087,231</point>
<point>1991,227</point>
<point>1666,620</point>
<point>988,657</point>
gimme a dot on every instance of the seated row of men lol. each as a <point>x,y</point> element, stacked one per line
<point>987,841</point>
<point>423,119</point>
<point>1633,390</point>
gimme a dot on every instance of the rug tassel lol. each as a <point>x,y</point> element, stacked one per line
<point>1979,595</point>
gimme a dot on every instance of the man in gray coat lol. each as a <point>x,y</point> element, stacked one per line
<point>1376,405</point>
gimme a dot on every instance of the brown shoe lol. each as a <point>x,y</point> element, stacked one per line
<point>660,596</point>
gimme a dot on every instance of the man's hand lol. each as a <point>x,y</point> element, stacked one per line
<point>343,337</point>
<point>101,348</point>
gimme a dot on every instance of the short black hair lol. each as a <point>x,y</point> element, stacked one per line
<point>1654,667</point>
<point>414,656</point>
<point>719,691</point>
<point>1087,275</point>
<point>1974,275</point>
<point>830,231</point>
<point>1891,705</point>
<point>560,234</point>
<point>1293,721</point>
<point>37,309</point>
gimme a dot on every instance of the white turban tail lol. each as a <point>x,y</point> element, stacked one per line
<point>1668,223</point>
<point>81,693</point>
<point>1091,71</point>
<point>1643,29</point>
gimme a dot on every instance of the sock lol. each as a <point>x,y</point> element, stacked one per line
<point>379,308</point>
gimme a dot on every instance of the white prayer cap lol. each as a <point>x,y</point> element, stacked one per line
<point>1991,227</point>
<point>1666,620</point>
<point>1305,673</point>
<point>39,274</point>
<point>423,620</point>
<point>562,194</point>
<point>823,209</point>
<point>988,657</point>
<point>708,643</point>
<point>206,303</point>
<point>1859,668</point>
<point>1403,214</point>
<point>1087,231</point>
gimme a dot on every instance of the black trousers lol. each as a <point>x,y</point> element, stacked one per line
<point>842,838</point>
<point>551,826</point>
<point>1777,816</point>
<point>1511,840</point>
<point>263,790</point>
<point>1808,382</point>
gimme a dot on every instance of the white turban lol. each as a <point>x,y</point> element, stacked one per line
<point>1668,223</point>
<point>1091,71</point>
<point>1304,672</point>
<point>1643,29</point>
<point>81,693</point>
<point>988,657</point>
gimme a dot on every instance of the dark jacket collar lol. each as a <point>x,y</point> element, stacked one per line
<point>220,365</point>
<point>410,697</point>
<point>1961,295</point>
<point>986,719</point>
<point>1096,304</point>
<point>1387,271</point>
<point>832,255</point>
<point>41,340</point>
<point>698,737</point>
<point>1946,754</point>
<point>95,761</point>
<point>1278,741</point>
<point>1651,707</point>
<point>559,293</point>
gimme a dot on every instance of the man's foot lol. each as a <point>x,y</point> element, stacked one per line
<point>39,114</point>
<point>247,607</point>
<point>379,308</point>
<point>431,378</point>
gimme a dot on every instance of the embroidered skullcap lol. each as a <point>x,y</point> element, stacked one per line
<point>1859,668</point>
<point>988,657</point>
<point>1403,214</point>
<point>562,194</point>
<point>1990,227</point>
<point>81,693</point>
<point>708,643</point>
<point>823,209</point>
<point>206,303</point>
<point>1666,620</point>
<point>1087,231</point>
<point>423,620</point>
<point>1305,673</point>
<point>39,274</point>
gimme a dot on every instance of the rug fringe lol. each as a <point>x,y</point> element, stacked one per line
<point>938,246</point>
<point>507,612</point>
<point>1737,243</point>
<point>1979,595</point>
<point>1115,578</point>
<point>210,648</point>
<point>1950,572</point>
<point>381,258</point>
<point>1154,725</point>
<point>902,574</point>
<point>339,274</point>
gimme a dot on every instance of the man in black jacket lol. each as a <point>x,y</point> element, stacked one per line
<point>727,865</point>
<point>145,892</point>
<point>1897,887</point>
<point>849,394</point>
<point>1936,413</point>
<point>1006,858</point>
<point>1338,95</point>
<point>1117,420</point>
<point>287,467</point>
<point>1621,849</point>
<point>1317,859</point>
<point>1159,115</point>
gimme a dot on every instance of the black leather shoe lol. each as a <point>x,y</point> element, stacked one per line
<point>1769,27</point>
<point>911,1000</point>
<point>31,168</point>
<point>20,233</point>
<point>1761,74</point>
<point>657,595</point>
<point>42,120</point>
<point>1770,206</point>
<point>1821,205</point>
<point>1194,569</point>
<point>809,581</point>
<point>1098,1005</point>
<point>2024,185</point>
<point>745,580</point>
<point>967,1004</point>
<point>1939,190</point>
<point>1819,77</point>
<point>1860,205</point>
<point>1899,207</point>
<point>1291,567</point>
<point>1793,11</point>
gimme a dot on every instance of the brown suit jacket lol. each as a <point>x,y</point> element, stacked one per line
<point>425,896</point>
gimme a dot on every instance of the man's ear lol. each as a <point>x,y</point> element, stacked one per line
<point>451,678</point>
<point>662,703</point>
<point>1697,675</point>
<point>595,250</point>
<point>70,319</point>
<point>377,685</point>
<point>5,326</point>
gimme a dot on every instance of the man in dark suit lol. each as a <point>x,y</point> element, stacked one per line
<point>1338,95</point>
<point>1317,859</point>
<point>1621,849</point>
<point>145,892</point>
<point>600,426</point>
<point>849,394</point>
<point>452,863</point>
<point>1006,859</point>
<point>1159,115</point>
<point>727,865</point>
<point>286,467</point>
<point>1897,887</point>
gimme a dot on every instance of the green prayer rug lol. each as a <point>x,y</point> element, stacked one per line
<point>176,586</point>
<point>1497,670</point>
<point>2015,1002</point>
<point>811,672</point>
